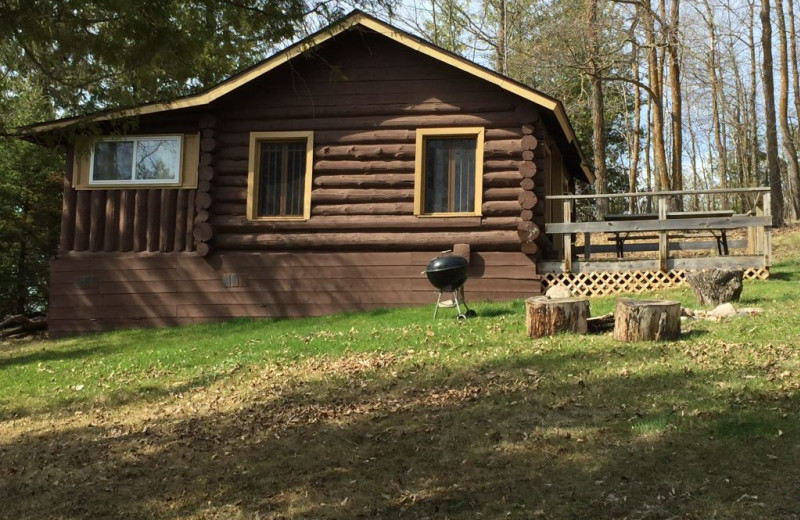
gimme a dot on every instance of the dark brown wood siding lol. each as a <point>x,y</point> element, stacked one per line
<point>126,220</point>
<point>364,96</point>
<point>93,292</point>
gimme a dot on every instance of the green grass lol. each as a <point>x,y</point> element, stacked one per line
<point>391,415</point>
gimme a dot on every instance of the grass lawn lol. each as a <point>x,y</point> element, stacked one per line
<point>390,415</point>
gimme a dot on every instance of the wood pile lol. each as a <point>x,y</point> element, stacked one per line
<point>19,326</point>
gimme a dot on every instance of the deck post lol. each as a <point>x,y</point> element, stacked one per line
<point>568,205</point>
<point>663,238</point>
<point>767,230</point>
<point>587,246</point>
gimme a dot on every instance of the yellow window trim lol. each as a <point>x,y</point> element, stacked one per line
<point>419,167</point>
<point>253,167</point>
<point>189,163</point>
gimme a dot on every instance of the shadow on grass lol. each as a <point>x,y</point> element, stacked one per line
<point>526,441</point>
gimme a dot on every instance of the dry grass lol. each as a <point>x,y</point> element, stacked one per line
<point>450,420</point>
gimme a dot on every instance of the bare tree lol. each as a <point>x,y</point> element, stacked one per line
<point>769,109</point>
<point>792,167</point>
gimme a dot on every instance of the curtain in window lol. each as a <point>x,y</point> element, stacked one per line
<point>281,183</point>
<point>449,175</point>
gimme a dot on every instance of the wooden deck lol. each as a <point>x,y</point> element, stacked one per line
<point>635,252</point>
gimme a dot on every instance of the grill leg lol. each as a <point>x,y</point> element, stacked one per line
<point>455,299</point>
<point>436,309</point>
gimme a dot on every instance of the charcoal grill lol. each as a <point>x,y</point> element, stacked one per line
<point>448,274</point>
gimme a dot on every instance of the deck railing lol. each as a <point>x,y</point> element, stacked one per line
<point>757,222</point>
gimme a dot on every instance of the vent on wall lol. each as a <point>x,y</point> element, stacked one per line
<point>234,280</point>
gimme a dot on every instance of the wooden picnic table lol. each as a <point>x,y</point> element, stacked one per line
<point>621,236</point>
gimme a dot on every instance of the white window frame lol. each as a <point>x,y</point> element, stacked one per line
<point>132,181</point>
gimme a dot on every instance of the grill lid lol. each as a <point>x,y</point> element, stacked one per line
<point>446,263</point>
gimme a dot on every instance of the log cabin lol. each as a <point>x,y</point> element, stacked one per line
<point>320,180</point>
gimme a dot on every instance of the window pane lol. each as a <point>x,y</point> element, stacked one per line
<point>113,161</point>
<point>157,159</point>
<point>281,183</point>
<point>449,175</point>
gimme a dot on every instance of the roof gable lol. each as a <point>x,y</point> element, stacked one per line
<point>356,18</point>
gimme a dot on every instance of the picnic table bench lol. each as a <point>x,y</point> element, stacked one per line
<point>620,237</point>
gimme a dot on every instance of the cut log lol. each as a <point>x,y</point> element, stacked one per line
<point>529,142</point>
<point>527,169</point>
<point>647,320</point>
<point>527,155</point>
<point>546,317</point>
<point>528,231</point>
<point>527,184</point>
<point>527,199</point>
<point>207,144</point>
<point>202,248</point>
<point>600,324</point>
<point>526,214</point>
<point>203,231</point>
<point>716,286</point>
<point>529,248</point>
<point>20,325</point>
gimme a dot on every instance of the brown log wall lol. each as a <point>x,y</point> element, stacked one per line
<point>92,292</point>
<point>364,97</point>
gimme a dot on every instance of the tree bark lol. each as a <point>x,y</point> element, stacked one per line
<point>598,108</point>
<point>775,181</point>
<point>546,317</point>
<point>792,166</point>
<point>642,320</point>
<point>673,51</point>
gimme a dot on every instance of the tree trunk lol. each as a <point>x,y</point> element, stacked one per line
<point>715,286</point>
<point>677,101</point>
<point>792,166</point>
<point>641,320</point>
<point>546,317</point>
<point>598,108</point>
<point>656,96</point>
<point>637,132</point>
<point>775,182</point>
<point>722,153</point>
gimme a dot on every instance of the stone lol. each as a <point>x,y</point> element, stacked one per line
<point>558,291</point>
<point>725,310</point>
<point>716,286</point>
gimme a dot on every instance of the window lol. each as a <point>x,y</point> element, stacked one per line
<point>136,160</point>
<point>279,179</point>
<point>449,172</point>
<point>147,161</point>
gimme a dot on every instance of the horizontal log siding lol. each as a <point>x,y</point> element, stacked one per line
<point>364,97</point>
<point>91,292</point>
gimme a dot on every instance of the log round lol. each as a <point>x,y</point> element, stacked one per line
<point>647,320</point>
<point>546,317</point>
<point>527,199</point>
<point>529,248</point>
<point>528,231</point>
<point>529,142</point>
<point>203,200</point>
<point>207,144</point>
<point>203,231</point>
<point>526,214</point>
<point>527,129</point>
<point>202,248</point>
<point>205,173</point>
<point>527,184</point>
<point>527,169</point>
<point>527,155</point>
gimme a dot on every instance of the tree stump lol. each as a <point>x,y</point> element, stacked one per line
<point>716,286</point>
<point>545,316</point>
<point>647,320</point>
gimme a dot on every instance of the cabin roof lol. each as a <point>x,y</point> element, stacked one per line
<point>355,18</point>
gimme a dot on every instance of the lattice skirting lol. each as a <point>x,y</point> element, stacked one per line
<point>602,283</point>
